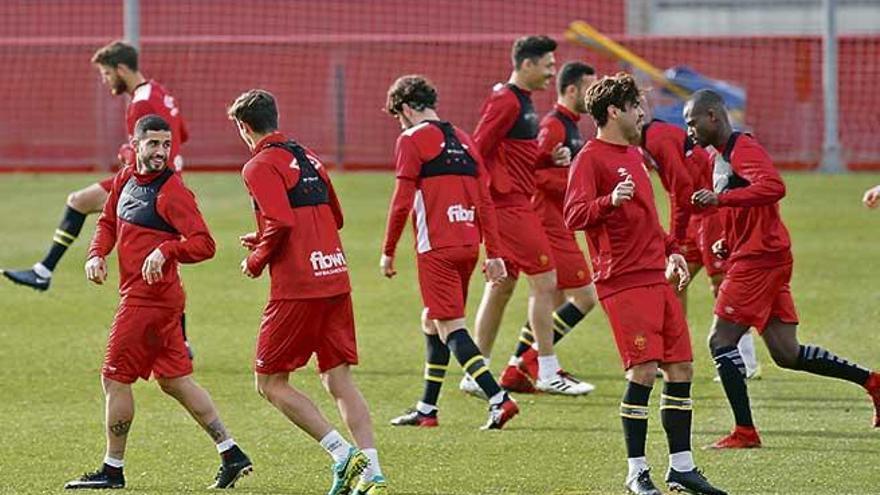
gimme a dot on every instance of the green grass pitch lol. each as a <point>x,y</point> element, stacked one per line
<point>816,431</point>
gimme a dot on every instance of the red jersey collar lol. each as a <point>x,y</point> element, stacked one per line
<point>274,137</point>
<point>148,177</point>
<point>568,113</point>
<point>613,146</point>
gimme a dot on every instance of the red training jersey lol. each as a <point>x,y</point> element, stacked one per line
<point>559,126</point>
<point>298,240</point>
<point>749,189</point>
<point>683,168</point>
<point>507,138</point>
<point>441,179</point>
<point>151,98</point>
<point>143,213</point>
<point>627,243</point>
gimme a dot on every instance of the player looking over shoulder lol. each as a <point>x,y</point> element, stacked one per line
<point>119,69</point>
<point>756,290</point>
<point>441,181</point>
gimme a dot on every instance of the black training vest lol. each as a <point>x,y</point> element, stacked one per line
<point>310,189</point>
<point>573,139</point>
<point>723,176</point>
<point>526,126</point>
<point>453,159</point>
<point>137,203</point>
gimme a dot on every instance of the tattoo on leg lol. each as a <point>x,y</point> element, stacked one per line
<point>216,430</point>
<point>121,428</point>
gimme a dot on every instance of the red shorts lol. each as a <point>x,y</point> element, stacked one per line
<point>146,340</point>
<point>648,325</point>
<point>525,244</point>
<point>751,296</point>
<point>572,268</point>
<point>294,329</point>
<point>710,230</point>
<point>107,183</point>
<point>444,275</point>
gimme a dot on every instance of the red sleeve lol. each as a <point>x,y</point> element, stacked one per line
<point>582,207</point>
<point>497,117</point>
<point>675,178</point>
<point>765,184</point>
<point>184,130</point>
<point>136,110</point>
<point>105,231</point>
<point>407,164</point>
<point>267,188</point>
<point>177,205</point>
<point>552,133</point>
<point>486,212</point>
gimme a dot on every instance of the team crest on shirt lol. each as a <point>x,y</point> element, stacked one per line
<point>640,342</point>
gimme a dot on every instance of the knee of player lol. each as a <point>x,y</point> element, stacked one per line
<point>644,373</point>
<point>170,387</point>
<point>679,372</point>
<point>585,301</point>
<point>75,200</point>
<point>784,358</point>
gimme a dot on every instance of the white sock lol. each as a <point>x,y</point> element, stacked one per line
<point>636,466</point>
<point>682,461</point>
<point>513,361</point>
<point>372,468</point>
<point>425,408</point>
<point>117,463</point>
<point>336,446</point>
<point>746,347</point>
<point>548,366</point>
<point>42,271</point>
<point>225,445</point>
<point>486,361</point>
<point>497,398</point>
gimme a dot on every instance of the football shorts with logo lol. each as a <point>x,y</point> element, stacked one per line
<point>750,296</point>
<point>444,275</point>
<point>146,340</point>
<point>526,247</point>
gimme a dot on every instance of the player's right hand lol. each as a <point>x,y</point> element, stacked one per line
<point>250,240</point>
<point>624,191</point>
<point>495,270</point>
<point>561,155</point>
<point>872,197</point>
<point>96,270</point>
<point>386,266</point>
<point>719,249</point>
<point>126,155</point>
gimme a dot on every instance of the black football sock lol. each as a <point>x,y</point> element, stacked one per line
<point>634,415</point>
<point>65,234</point>
<point>816,360</point>
<point>564,319</point>
<point>526,339</point>
<point>676,414</point>
<point>468,355</point>
<point>732,372</point>
<point>436,362</point>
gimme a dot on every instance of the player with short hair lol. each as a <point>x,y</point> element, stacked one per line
<point>310,309</point>
<point>440,179</point>
<point>755,291</point>
<point>506,137</point>
<point>610,197</point>
<point>684,167</point>
<point>153,220</point>
<point>118,65</point>
<point>575,294</point>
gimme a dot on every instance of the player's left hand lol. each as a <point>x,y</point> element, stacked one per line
<point>386,266</point>
<point>704,198</point>
<point>152,267</point>
<point>872,197</point>
<point>245,270</point>
<point>496,270</point>
<point>561,155</point>
<point>677,267</point>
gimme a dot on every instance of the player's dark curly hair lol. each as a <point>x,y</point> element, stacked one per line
<point>619,90</point>
<point>117,53</point>
<point>257,109</point>
<point>531,47</point>
<point>414,90</point>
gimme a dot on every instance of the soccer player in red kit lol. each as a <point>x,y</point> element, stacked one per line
<point>575,294</point>
<point>756,290</point>
<point>309,310</point>
<point>507,139</point>
<point>118,65</point>
<point>154,222</point>
<point>684,167</point>
<point>610,197</point>
<point>440,179</point>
